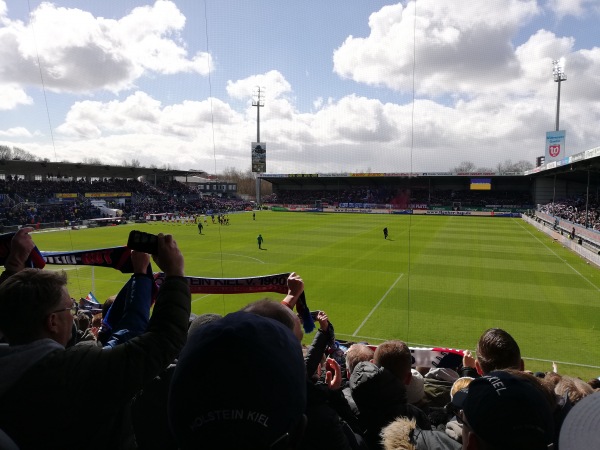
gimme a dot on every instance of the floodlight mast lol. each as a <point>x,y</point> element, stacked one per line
<point>258,100</point>
<point>559,77</point>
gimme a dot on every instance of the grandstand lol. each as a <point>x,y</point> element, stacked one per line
<point>50,194</point>
<point>571,186</point>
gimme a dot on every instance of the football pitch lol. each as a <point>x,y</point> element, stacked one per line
<point>436,281</point>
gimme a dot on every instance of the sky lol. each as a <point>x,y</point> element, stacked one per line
<point>348,85</point>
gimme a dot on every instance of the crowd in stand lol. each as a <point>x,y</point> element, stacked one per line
<point>32,202</point>
<point>574,209</point>
<point>130,378</point>
<point>403,197</point>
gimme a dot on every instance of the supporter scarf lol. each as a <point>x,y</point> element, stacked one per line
<point>115,257</point>
<point>265,283</point>
<point>437,357</point>
<point>120,258</point>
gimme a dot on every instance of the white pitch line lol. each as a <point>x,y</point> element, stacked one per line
<point>230,254</point>
<point>378,303</point>
<point>556,254</point>
<point>244,256</point>
<point>200,298</point>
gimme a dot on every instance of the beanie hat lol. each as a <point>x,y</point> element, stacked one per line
<point>240,383</point>
<point>507,410</point>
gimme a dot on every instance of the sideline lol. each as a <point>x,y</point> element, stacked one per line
<point>378,303</point>
<point>558,256</point>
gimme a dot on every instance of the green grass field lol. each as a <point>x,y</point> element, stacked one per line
<point>436,281</point>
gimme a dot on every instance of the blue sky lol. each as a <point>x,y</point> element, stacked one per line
<point>351,85</point>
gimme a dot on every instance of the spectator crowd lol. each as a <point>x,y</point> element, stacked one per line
<point>575,210</point>
<point>143,372</point>
<point>403,197</point>
<point>50,202</point>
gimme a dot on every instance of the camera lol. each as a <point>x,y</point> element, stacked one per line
<point>314,315</point>
<point>143,242</point>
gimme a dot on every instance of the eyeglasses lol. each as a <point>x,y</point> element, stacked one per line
<point>73,308</point>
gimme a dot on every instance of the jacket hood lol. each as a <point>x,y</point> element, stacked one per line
<point>15,360</point>
<point>403,434</point>
<point>375,387</point>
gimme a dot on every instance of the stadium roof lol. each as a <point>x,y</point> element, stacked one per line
<point>579,167</point>
<point>68,169</point>
<point>576,167</point>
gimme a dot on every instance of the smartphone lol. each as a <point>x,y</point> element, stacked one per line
<point>314,315</point>
<point>143,242</point>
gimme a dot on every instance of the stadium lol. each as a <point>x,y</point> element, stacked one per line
<point>299,226</point>
<point>480,256</point>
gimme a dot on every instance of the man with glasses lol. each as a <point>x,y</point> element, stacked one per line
<point>42,382</point>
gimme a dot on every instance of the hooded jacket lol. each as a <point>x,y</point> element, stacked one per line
<point>42,383</point>
<point>403,434</point>
<point>380,398</point>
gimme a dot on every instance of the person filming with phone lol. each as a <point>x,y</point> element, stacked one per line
<point>42,382</point>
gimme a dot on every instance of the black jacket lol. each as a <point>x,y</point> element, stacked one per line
<point>380,398</point>
<point>41,405</point>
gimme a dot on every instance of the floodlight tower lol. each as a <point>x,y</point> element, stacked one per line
<point>559,77</point>
<point>258,100</point>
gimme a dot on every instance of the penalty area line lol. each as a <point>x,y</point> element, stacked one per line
<point>378,303</point>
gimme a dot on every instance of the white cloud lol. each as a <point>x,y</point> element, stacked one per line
<point>576,8</point>
<point>16,132</point>
<point>460,46</point>
<point>12,95</point>
<point>93,53</point>
<point>481,94</point>
<point>3,11</point>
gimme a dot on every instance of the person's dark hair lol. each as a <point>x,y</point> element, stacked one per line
<point>83,320</point>
<point>107,304</point>
<point>497,350</point>
<point>594,383</point>
<point>394,356</point>
<point>271,309</point>
<point>26,298</point>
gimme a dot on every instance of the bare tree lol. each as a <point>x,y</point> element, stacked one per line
<point>465,166</point>
<point>5,152</point>
<point>92,161</point>
<point>23,155</point>
<point>470,167</point>
<point>518,167</point>
<point>246,182</point>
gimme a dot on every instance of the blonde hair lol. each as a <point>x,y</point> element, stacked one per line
<point>460,384</point>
